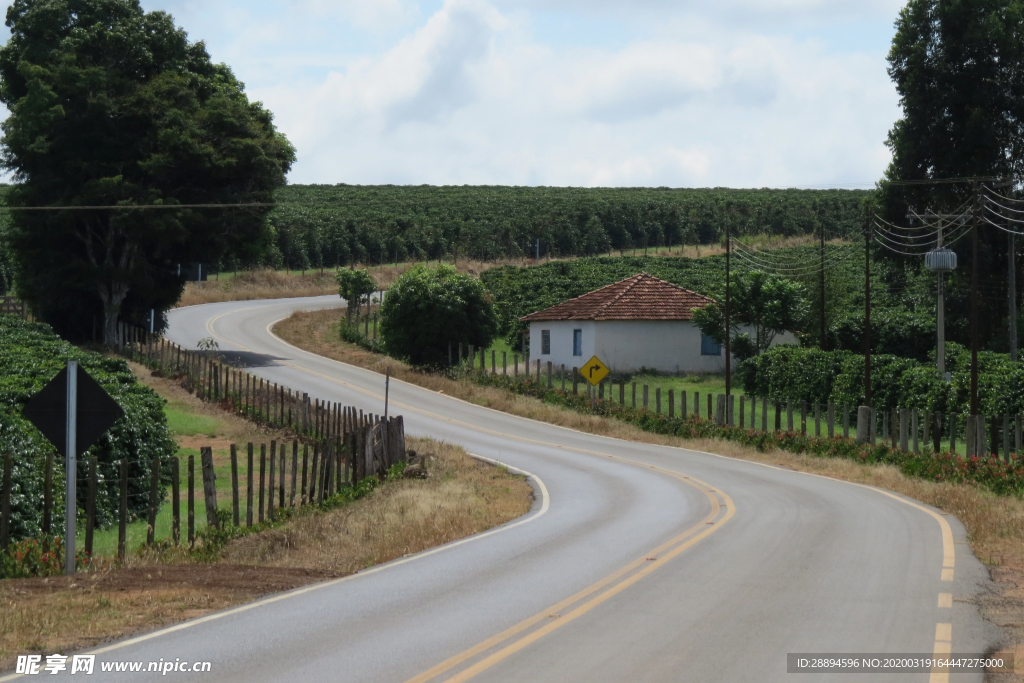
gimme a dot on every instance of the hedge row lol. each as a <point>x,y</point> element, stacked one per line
<point>30,356</point>
<point>1003,478</point>
<point>810,374</point>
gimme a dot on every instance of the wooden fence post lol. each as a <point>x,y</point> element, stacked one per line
<point>313,472</point>
<point>122,518</point>
<point>90,508</point>
<point>515,359</point>
<point>210,488</point>
<point>5,502</point>
<point>831,420</point>
<point>263,466</point>
<point>305,463</point>
<point>646,397</point>
<point>175,501</point>
<point>281,472</point>
<point>270,489</point>
<point>295,472</point>
<point>234,485</point>
<point>154,488</point>
<point>671,404</point>
<point>817,418</point>
<point>248,486</point>
<point>191,501</point>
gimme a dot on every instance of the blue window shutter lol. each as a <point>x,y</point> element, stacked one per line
<point>708,347</point>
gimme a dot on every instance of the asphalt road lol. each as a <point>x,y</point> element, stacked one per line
<point>637,562</point>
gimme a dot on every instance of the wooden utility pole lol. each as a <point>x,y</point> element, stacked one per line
<point>821,282</point>
<point>867,306</point>
<point>1012,292</point>
<point>974,300</point>
<point>728,330</point>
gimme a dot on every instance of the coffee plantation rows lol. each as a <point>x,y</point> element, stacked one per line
<point>810,374</point>
<point>30,356</point>
<point>327,225</point>
<point>903,297</point>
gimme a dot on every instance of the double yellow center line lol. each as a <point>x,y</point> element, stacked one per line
<point>501,646</point>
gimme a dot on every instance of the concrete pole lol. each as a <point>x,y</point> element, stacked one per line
<point>863,424</point>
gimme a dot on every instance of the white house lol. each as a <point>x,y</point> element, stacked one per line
<point>640,322</point>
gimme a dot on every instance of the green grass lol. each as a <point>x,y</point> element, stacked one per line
<point>105,540</point>
<point>181,421</point>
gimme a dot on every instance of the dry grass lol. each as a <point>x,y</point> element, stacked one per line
<point>274,284</point>
<point>995,524</point>
<point>462,497</point>
<point>258,284</point>
<point>65,614</point>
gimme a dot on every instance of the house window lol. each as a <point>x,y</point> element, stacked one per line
<point>545,342</point>
<point>708,347</point>
<point>577,342</point>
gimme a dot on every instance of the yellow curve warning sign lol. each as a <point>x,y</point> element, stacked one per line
<point>594,371</point>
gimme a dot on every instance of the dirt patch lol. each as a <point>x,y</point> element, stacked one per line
<point>995,524</point>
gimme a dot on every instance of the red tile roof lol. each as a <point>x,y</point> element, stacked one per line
<point>641,297</point>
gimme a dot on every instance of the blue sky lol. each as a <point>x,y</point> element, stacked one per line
<point>739,93</point>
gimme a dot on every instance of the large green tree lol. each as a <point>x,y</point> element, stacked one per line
<point>114,106</point>
<point>958,66</point>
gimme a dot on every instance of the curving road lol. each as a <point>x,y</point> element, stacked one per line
<point>637,562</point>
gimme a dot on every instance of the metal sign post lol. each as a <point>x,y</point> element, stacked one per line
<point>72,411</point>
<point>70,499</point>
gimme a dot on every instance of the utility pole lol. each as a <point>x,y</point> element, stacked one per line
<point>940,353</point>
<point>728,330</point>
<point>1012,259</point>
<point>867,306</point>
<point>821,283</point>
<point>974,301</point>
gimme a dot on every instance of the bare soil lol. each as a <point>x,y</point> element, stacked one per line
<point>995,524</point>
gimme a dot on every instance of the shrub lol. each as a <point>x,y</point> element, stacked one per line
<point>30,356</point>
<point>429,308</point>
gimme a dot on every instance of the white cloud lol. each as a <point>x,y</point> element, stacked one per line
<point>565,92</point>
<point>469,97</point>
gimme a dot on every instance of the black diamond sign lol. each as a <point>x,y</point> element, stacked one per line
<point>97,411</point>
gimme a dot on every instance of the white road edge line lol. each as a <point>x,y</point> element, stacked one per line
<point>545,505</point>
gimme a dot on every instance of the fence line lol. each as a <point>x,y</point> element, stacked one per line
<point>339,445</point>
<point>907,429</point>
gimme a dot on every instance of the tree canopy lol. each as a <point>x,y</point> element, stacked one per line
<point>765,303</point>
<point>353,286</point>
<point>114,106</point>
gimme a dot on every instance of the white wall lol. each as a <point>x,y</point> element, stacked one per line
<point>628,345</point>
<point>561,342</point>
